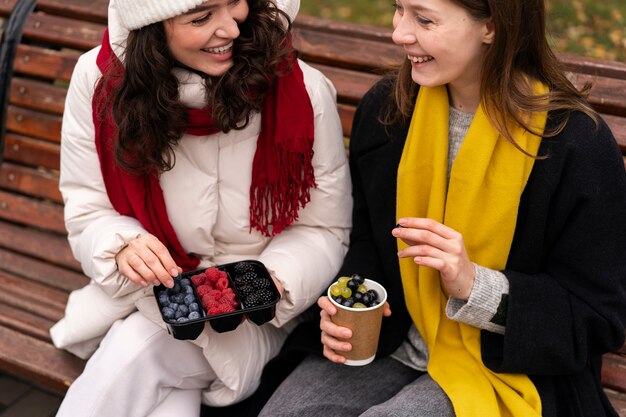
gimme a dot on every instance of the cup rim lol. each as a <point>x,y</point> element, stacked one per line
<point>382,294</point>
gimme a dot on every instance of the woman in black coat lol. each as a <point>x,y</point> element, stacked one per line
<point>493,314</point>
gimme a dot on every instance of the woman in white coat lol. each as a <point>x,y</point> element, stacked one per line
<point>193,137</point>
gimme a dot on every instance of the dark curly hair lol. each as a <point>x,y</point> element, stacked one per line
<point>146,108</point>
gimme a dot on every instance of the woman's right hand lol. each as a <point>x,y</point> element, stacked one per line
<point>146,260</point>
<point>333,347</point>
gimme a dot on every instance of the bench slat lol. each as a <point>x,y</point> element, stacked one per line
<point>63,31</point>
<point>25,322</point>
<point>45,63</point>
<point>38,361</point>
<point>42,245</point>
<point>31,152</point>
<point>37,95</point>
<point>614,371</point>
<point>34,123</point>
<point>36,298</point>
<point>60,278</point>
<point>32,212</point>
<point>30,181</point>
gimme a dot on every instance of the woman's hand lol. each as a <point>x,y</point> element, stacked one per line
<point>437,246</point>
<point>146,260</point>
<point>331,332</point>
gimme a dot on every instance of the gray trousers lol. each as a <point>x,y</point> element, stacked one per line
<point>385,388</point>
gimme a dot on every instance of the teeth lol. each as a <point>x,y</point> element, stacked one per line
<point>220,50</point>
<point>420,59</point>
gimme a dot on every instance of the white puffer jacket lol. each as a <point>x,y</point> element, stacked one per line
<point>207,198</point>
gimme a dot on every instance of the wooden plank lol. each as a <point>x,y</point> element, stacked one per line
<point>39,361</point>
<point>593,66</point>
<point>42,245</point>
<point>25,322</point>
<point>38,299</point>
<point>33,182</point>
<point>33,123</point>
<point>37,95</point>
<point>350,85</point>
<point>63,31</point>
<point>618,400</point>
<point>30,151</point>
<point>614,372</point>
<point>45,63</point>
<point>89,10</point>
<point>346,115</point>
<point>618,127</point>
<point>341,51</point>
<point>40,271</point>
<point>32,212</point>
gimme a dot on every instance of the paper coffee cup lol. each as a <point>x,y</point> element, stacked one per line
<point>365,325</point>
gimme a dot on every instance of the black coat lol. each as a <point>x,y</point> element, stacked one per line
<point>566,268</point>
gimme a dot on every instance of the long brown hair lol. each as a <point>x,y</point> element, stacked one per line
<point>146,108</point>
<point>519,52</point>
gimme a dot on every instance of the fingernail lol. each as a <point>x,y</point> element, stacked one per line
<point>346,333</point>
<point>143,283</point>
<point>398,225</point>
<point>170,283</point>
<point>156,283</point>
<point>174,272</point>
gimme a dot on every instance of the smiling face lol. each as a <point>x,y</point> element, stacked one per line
<point>202,39</point>
<point>445,44</point>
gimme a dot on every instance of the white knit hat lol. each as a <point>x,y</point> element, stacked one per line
<point>135,14</point>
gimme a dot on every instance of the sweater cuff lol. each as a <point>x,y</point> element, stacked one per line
<point>486,302</point>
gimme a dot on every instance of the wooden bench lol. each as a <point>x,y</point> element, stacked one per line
<point>37,269</point>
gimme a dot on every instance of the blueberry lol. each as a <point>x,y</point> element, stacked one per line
<point>358,278</point>
<point>189,298</point>
<point>173,306</point>
<point>179,314</point>
<point>164,300</point>
<point>183,309</point>
<point>353,285</point>
<point>182,319</point>
<point>358,297</point>
<point>175,289</point>
<point>373,294</point>
<point>185,282</point>
<point>188,290</point>
<point>194,307</point>
<point>168,313</point>
<point>366,299</point>
<point>194,315</point>
<point>178,298</point>
<point>348,302</point>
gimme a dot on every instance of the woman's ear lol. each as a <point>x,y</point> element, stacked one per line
<point>489,31</point>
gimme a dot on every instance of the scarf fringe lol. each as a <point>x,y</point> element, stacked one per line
<point>275,206</point>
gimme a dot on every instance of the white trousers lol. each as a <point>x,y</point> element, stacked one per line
<point>139,370</point>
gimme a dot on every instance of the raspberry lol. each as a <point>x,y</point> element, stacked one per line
<point>221,283</point>
<point>226,308</point>
<point>203,290</point>
<point>215,293</point>
<point>212,274</point>
<point>198,279</point>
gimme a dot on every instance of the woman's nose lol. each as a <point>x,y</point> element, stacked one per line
<point>404,31</point>
<point>228,27</point>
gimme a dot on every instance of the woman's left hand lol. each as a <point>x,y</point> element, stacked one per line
<point>437,246</point>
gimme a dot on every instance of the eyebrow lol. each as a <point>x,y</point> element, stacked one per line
<point>200,8</point>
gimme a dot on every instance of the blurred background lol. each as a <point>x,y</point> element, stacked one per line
<point>593,28</point>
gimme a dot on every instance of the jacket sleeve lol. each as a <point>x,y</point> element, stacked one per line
<point>571,306</point>
<point>96,231</point>
<point>306,256</point>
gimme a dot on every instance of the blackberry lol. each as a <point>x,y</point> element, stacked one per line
<point>259,298</point>
<point>245,290</point>
<point>261,283</point>
<point>246,278</point>
<point>243,267</point>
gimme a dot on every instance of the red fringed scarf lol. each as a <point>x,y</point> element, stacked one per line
<point>282,170</point>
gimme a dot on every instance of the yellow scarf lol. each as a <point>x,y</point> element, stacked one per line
<point>481,202</point>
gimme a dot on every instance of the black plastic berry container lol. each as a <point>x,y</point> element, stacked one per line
<point>258,309</point>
